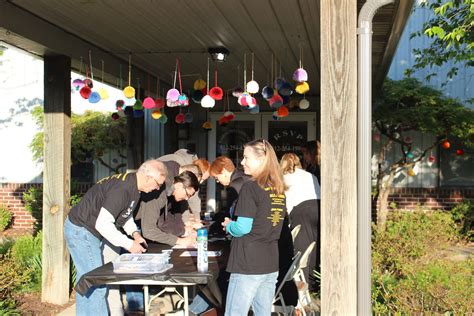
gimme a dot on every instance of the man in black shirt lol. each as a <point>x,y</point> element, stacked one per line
<point>105,208</point>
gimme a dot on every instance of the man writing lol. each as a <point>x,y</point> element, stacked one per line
<point>106,206</point>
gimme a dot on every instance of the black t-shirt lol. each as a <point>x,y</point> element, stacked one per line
<point>118,194</point>
<point>257,251</point>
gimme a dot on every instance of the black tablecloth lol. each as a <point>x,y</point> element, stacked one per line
<point>184,271</point>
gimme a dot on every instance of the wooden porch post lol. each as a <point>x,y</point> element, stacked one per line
<point>339,157</point>
<point>56,178</point>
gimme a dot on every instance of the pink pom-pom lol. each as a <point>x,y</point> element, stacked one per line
<point>300,75</point>
<point>172,95</point>
<point>148,103</point>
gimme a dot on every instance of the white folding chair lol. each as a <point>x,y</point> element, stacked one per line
<point>283,308</point>
<point>295,231</point>
<point>304,297</point>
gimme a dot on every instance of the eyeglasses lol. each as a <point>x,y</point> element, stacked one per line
<point>188,196</point>
<point>156,182</point>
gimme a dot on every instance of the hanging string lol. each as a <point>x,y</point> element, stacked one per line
<point>80,68</point>
<point>130,69</point>
<point>215,77</point>
<point>179,76</point>
<point>238,75</point>
<point>207,85</point>
<point>252,65</point>
<point>87,72</point>
<point>245,71</point>
<point>271,71</point>
<point>279,73</point>
<point>120,75</point>
<point>148,83</point>
<point>175,71</point>
<point>157,86</point>
<point>102,62</point>
<point>301,56</point>
<point>90,63</point>
<point>138,87</point>
<point>227,101</point>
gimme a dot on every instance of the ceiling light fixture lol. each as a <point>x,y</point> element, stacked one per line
<point>218,54</point>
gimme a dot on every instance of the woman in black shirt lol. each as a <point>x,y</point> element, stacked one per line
<point>260,211</point>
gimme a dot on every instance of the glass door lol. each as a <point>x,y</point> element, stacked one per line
<point>285,135</point>
<point>228,140</point>
<point>289,133</point>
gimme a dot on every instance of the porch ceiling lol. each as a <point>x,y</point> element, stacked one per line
<point>156,32</point>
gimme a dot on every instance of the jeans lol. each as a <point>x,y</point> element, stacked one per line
<point>85,250</point>
<point>199,305</point>
<point>135,298</point>
<point>245,290</point>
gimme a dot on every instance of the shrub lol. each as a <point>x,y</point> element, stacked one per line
<point>407,275</point>
<point>27,251</point>
<point>5,217</point>
<point>13,277</point>
<point>5,246</point>
<point>33,198</point>
<point>463,216</point>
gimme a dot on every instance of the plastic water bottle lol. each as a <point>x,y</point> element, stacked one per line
<point>202,263</point>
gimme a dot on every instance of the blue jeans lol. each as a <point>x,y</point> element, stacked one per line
<point>86,253</point>
<point>245,290</point>
<point>199,305</point>
<point>135,298</point>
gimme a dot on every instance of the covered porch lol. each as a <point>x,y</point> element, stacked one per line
<point>321,33</point>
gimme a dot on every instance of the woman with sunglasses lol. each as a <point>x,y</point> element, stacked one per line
<point>260,210</point>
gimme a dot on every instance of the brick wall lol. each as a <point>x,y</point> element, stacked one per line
<point>431,198</point>
<point>11,195</point>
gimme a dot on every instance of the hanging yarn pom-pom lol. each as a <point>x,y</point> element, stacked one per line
<point>171,104</point>
<point>130,101</point>
<point>208,102</point>
<point>446,144</point>
<point>89,83</point>
<point>156,114</point>
<point>207,125</point>
<point>252,86</point>
<point>197,96</point>
<point>78,84</point>
<point>138,113</point>
<point>159,103</point>
<point>163,119</point>
<point>267,92</point>
<point>276,101</point>
<point>255,110</point>
<point>188,117</point>
<point>199,84</point>
<point>282,111</point>
<point>138,105</point>
<point>245,99</point>
<point>183,100</point>
<point>94,97</point>
<point>459,152</point>
<point>129,92</point>
<point>302,88</point>
<point>115,116</point>
<point>172,95</point>
<point>279,83</point>
<point>237,92</point>
<point>216,93</point>
<point>104,94</point>
<point>149,103</point>
<point>275,116</point>
<point>304,104</point>
<point>286,89</point>
<point>300,75</point>
<point>179,118</point>
<point>85,92</point>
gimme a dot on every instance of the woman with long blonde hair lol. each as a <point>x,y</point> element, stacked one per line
<point>260,210</point>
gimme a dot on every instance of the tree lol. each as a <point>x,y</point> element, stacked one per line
<point>93,135</point>
<point>451,29</point>
<point>407,105</point>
